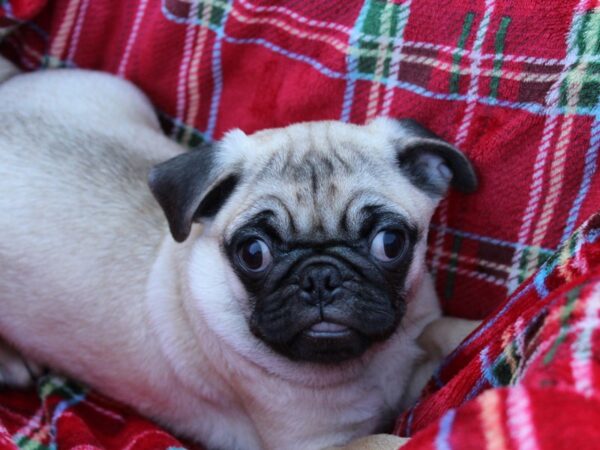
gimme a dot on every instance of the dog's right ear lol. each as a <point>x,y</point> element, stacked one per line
<point>189,187</point>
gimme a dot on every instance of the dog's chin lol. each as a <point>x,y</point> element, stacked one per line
<point>327,343</point>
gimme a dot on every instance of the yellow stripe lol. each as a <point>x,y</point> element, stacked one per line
<point>58,45</point>
<point>335,43</point>
<point>193,80</point>
<point>478,261</point>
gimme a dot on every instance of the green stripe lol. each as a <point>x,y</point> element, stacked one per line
<point>372,23</point>
<point>542,257</point>
<point>588,96</point>
<point>390,46</point>
<point>565,315</point>
<point>24,443</point>
<point>217,11</point>
<point>586,42</point>
<point>503,372</point>
<point>400,15</point>
<point>581,41</point>
<point>56,385</point>
<point>467,25</point>
<point>450,280</point>
<point>499,50</point>
<point>573,243</point>
<point>192,135</point>
<point>523,265</point>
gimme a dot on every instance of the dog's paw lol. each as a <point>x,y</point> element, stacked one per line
<point>15,370</point>
<point>374,442</point>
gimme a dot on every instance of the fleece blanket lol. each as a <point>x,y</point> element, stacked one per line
<point>513,84</point>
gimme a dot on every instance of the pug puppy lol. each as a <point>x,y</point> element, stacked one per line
<point>263,292</point>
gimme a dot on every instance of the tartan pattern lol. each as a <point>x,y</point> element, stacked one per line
<point>65,415</point>
<point>514,84</point>
<point>529,369</point>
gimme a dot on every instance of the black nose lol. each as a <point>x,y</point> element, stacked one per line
<point>318,283</point>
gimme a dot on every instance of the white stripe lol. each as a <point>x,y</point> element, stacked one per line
<point>535,192</point>
<point>396,58</point>
<point>185,64</point>
<point>581,363</point>
<point>58,43</point>
<point>132,37</point>
<point>520,423</point>
<point>193,75</point>
<point>77,32</point>
<point>463,130</point>
<point>386,25</point>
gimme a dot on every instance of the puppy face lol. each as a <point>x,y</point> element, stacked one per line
<point>323,225</point>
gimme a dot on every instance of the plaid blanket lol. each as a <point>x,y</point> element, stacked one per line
<point>514,84</point>
<point>529,377</point>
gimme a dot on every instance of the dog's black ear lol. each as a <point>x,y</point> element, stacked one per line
<point>431,163</point>
<point>190,186</point>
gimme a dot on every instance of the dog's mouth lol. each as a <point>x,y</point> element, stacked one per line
<point>327,342</point>
<point>327,330</point>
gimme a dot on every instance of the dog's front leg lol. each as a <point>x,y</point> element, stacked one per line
<point>437,340</point>
<point>7,69</point>
<point>374,442</point>
<point>15,370</point>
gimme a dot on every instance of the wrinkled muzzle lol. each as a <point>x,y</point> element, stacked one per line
<point>327,310</point>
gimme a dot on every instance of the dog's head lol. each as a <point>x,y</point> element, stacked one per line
<point>320,228</point>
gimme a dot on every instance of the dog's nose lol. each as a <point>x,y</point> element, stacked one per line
<point>319,282</point>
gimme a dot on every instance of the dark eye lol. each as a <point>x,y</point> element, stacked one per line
<point>387,245</point>
<point>254,255</point>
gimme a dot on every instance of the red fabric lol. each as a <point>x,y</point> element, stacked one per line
<point>513,84</point>
<point>63,415</point>
<point>544,343</point>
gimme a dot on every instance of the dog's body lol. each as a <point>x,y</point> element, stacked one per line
<point>93,285</point>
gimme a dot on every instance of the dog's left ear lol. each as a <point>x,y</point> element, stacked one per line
<point>431,163</point>
<point>191,186</point>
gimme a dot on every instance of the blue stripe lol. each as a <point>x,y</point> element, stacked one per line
<point>589,169</point>
<point>8,9</point>
<point>539,280</point>
<point>39,31</point>
<point>592,236</point>
<point>442,441</point>
<point>58,411</point>
<point>409,421</point>
<point>352,76</point>
<point>352,63</point>
<point>217,73</point>
<point>486,370</point>
<point>297,56</point>
<point>477,388</point>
